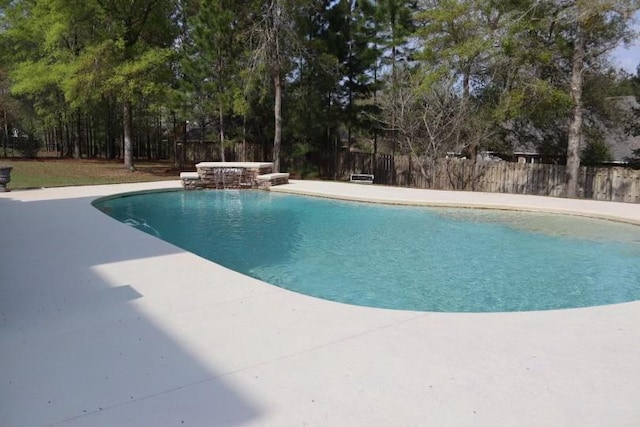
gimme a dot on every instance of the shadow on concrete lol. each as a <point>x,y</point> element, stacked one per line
<point>75,348</point>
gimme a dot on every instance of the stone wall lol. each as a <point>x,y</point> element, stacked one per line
<point>269,180</point>
<point>229,175</point>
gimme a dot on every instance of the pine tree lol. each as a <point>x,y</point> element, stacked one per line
<point>395,20</point>
<point>211,60</point>
<point>273,44</point>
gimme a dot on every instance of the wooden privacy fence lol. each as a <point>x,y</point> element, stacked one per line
<point>612,184</point>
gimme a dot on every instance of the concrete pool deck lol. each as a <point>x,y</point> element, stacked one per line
<point>103,325</point>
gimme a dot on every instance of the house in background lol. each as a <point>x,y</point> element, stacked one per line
<point>620,145</point>
<point>621,150</point>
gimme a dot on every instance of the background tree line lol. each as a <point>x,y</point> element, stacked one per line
<point>305,78</point>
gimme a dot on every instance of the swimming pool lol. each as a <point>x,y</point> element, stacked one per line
<point>411,258</point>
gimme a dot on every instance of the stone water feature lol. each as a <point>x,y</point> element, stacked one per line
<point>233,175</point>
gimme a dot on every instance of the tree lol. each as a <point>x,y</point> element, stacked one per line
<point>273,43</point>
<point>526,64</point>
<point>428,119</point>
<point>585,31</point>
<point>595,151</point>
<point>358,64</point>
<point>50,36</point>
<point>395,19</point>
<point>211,60</point>
<point>71,56</point>
<point>461,43</point>
<point>130,59</point>
<point>7,105</point>
<point>313,101</point>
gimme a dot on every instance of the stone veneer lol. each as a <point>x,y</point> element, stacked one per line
<point>271,179</point>
<point>232,175</point>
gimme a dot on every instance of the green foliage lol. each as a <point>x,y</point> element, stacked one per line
<point>210,58</point>
<point>514,60</point>
<point>596,151</point>
<point>72,56</point>
<point>301,163</point>
<point>140,77</point>
<point>395,20</point>
<point>27,146</point>
<point>498,71</point>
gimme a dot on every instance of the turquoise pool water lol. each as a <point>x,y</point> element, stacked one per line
<point>410,258</point>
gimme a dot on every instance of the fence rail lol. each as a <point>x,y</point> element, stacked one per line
<point>612,184</point>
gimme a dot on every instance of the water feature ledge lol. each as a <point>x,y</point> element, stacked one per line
<point>233,175</point>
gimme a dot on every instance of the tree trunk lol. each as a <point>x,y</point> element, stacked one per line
<point>67,140</point>
<point>277,112</point>
<point>60,137</point>
<point>88,134</point>
<point>244,138</point>
<point>575,120</point>
<point>174,135</point>
<point>473,142</point>
<point>128,144</point>
<point>221,118</point>
<point>77,136</point>
<point>158,153</point>
<point>110,145</point>
<point>394,99</point>
<point>375,105</point>
<point>5,142</point>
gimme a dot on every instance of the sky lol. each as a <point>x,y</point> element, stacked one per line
<point>628,58</point>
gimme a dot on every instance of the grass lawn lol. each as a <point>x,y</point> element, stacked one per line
<point>55,172</point>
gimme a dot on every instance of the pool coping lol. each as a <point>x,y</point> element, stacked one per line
<point>613,211</point>
<point>139,332</point>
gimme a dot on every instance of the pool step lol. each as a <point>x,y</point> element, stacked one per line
<point>190,180</point>
<point>270,179</point>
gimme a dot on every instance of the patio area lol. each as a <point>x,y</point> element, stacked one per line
<point>103,325</point>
